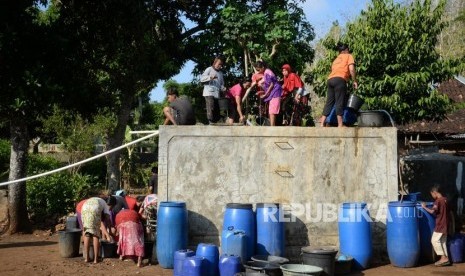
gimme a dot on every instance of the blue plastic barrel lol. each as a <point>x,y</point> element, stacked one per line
<point>411,197</point>
<point>171,231</point>
<point>355,233</point>
<point>234,242</point>
<point>403,240</point>
<point>463,241</point>
<point>179,257</point>
<point>426,224</point>
<point>455,244</point>
<point>229,265</point>
<point>210,253</point>
<point>193,266</point>
<point>239,216</point>
<point>270,230</point>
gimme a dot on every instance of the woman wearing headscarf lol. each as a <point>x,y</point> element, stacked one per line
<point>130,235</point>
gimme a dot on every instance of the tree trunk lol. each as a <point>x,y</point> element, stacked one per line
<point>17,208</point>
<point>114,140</point>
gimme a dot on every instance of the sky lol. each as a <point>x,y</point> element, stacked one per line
<point>320,13</point>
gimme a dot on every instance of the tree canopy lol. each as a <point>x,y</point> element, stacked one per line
<point>245,31</point>
<point>397,62</point>
<point>85,56</point>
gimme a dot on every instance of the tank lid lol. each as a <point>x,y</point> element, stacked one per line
<point>320,250</point>
<point>239,206</point>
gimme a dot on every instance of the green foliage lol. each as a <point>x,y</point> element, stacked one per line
<point>5,149</point>
<point>78,135</point>
<point>41,163</point>
<point>96,168</point>
<point>56,193</point>
<point>396,58</point>
<point>245,31</point>
<point>148,115</point>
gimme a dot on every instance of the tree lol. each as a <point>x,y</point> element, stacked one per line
<point>452,38</point>
<point>397,62</point>
<point>77,135</point>
<point>26,90</point>
<point>84,55</point>
<point>122,48</point>
<point>246,31</point>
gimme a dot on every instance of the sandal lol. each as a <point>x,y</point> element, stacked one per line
<point>446,263</point>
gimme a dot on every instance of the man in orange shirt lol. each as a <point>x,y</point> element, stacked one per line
<point>342,69</point>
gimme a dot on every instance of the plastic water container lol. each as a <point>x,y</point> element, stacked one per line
<point>211,256</point>
<point>411,197</point>
<point>403,240</point>
<point>171,231</point>
<point>270,259</point>
<point>355,233</point>
<point>179,257</point>
<point>229,265</point>
<point>300,269</point>
<point>261,267</point>
<point>241,217</point>
<point>234,242</point>
<point>108,249</point>
<point>426,224</point>
<point>193,266</point>
<point>455,244</point>
<point>69,242</point>
<point>270,230</point>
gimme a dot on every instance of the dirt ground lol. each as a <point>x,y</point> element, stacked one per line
<point>38,254</point>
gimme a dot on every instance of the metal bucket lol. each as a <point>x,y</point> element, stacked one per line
<point>354,102</point>
<point>373,118</point>
<point>69,242</point>
<point>262,267</point>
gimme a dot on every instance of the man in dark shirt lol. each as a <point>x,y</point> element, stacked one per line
<point>153,182</point>
<point>180,111</point>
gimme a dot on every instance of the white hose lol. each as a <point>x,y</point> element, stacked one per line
<point>155,133</point>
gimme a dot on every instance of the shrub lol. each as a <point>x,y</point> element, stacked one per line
<point>40,163</point>
<point>55,194</point>
<point>97,168</point>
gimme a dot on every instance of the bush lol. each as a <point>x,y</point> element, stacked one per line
<point>58,193</point>
<point>37,163</point>
<point>55,194</point>
<point>97,168</point>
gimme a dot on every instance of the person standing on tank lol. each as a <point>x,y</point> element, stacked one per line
<point>342,70</point>
<point>212,79</point>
